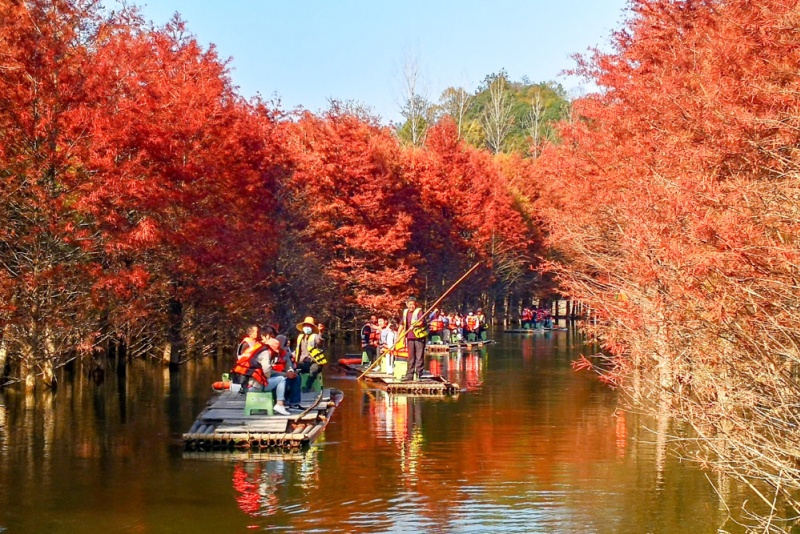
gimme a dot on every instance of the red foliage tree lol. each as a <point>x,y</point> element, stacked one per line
<point>468,213</point>
<point>185,173</point>
<point>682,218</point>
<point>348,229</point>
<point>45,270</point>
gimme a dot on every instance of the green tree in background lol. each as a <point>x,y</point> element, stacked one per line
<point>501,115</point>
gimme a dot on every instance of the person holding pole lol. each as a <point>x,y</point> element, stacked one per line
<point>412,306</point>
<point>414,327</point>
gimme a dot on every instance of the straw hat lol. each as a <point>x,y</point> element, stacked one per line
<point>309,321</point>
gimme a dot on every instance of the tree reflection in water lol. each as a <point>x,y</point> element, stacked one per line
<point>259,483</point>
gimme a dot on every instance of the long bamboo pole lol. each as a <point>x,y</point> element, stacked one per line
<point>403,331</point>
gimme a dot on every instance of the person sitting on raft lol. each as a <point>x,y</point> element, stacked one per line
<point>275,379</point>
<point>252,337</point>
<point>253,370</point>
<point>309,353</point>
<point>285,366</point>
<point>436,327</point>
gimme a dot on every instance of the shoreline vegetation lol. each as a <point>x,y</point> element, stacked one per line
<point>146,208</point>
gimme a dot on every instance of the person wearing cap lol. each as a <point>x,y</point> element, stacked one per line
<point>310,357</point>
<point>266,358</point>
<point>413,324</point>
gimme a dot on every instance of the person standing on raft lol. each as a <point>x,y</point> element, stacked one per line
<point>413,324</point>
<point>310,357</point>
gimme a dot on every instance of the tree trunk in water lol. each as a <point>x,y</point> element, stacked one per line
<point>48,366</point>
<point>172,348</point>
<point>4,341</point>
<point>48,373</point>
<point>27,372</point>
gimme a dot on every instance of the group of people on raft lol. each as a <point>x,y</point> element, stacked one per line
<point>531,318</point>
<point>266,362</point>
<point>380,333</point>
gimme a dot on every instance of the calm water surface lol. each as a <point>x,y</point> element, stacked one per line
<point>528,446</point>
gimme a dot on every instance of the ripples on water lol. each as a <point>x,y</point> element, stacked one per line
<point>528,446</point>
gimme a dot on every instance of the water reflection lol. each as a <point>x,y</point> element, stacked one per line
<point>529,446</point>
<point>465,368</point>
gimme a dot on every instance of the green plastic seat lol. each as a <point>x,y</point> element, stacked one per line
<point>316,386</point>
<point>259,402</point>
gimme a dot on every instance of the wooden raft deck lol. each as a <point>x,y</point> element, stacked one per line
<point>441,348</point>
<point>224,425</point>
<point>432,385</point>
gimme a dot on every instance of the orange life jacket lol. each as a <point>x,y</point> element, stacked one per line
<point>437,325</point>
<point>245,343</point>
<point>247,365</point>
<point>472,323</point>
<point>374,335</point>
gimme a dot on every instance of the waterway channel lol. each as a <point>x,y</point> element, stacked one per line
<point>528,446</point>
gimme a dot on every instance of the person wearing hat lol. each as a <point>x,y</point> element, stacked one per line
<point>309,353</point>
<point>413,324</point>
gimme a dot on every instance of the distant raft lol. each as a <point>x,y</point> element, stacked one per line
<point>439,348</point>
<point>535,330</point>
<point>230,422</point>
<point>428,385</point>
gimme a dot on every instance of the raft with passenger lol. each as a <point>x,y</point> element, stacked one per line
<point>234,419</point>
<point>388,374</point>
<point>473,341</point>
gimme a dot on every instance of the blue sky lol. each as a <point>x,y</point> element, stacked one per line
<point>307,51</point>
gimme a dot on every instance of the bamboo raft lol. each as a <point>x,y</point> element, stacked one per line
<point>440,348</point>
<point>237,455</point>
<point>223,425</point>
<point>428,385</point>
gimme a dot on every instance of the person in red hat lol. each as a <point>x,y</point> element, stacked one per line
<point>310,357</point>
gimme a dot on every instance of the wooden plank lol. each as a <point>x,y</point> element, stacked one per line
<point>260,426</point>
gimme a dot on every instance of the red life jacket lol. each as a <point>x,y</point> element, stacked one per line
<point>278,361</point>
<point>472,323</point>
<point>437,325</point>
<point>374,336</point>
<point>247,365</point>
